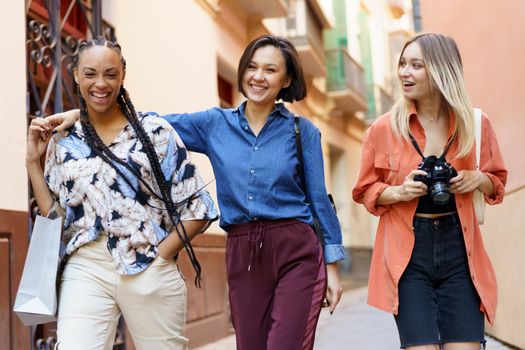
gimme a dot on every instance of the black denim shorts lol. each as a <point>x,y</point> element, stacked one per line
<point>437,301</point>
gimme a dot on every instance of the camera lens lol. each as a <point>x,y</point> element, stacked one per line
<point>439,191</point>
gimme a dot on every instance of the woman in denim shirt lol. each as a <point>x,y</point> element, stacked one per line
<point>275,264</point>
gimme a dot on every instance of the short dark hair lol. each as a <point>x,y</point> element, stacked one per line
<point>297,89</point>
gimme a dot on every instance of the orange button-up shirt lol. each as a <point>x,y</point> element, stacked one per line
<point>386,161</point>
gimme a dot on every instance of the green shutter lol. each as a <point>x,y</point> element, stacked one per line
<point>334,39</point>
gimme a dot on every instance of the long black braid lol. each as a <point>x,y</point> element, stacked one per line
<point>105,153</point>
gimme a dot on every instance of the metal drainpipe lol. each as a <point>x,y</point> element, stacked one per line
<point>416,14</point>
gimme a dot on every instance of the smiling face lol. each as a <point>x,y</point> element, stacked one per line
<point>99,74</point>
<point>265,76</point>
<point>413,73</point>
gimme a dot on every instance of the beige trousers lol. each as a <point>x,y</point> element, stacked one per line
<point>92,297</point>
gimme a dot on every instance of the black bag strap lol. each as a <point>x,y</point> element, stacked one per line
<point>300,170</point>
<point>299,147</point>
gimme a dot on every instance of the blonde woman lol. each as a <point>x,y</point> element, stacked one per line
<point>418,173</point>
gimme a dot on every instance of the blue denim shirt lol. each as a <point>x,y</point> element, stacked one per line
<point>257,176</point>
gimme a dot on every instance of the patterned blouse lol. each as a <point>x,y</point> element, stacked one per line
<point>95,198</point>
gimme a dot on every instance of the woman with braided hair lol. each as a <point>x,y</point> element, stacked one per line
<point>131,201</point>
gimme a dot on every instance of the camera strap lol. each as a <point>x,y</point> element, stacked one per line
<point>416,146</point>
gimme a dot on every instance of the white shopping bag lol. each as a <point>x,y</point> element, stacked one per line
<point>36,299</point>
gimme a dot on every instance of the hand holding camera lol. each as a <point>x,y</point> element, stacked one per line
<point>438,175</point>
<point>410,188</point>
<point>468,181</point>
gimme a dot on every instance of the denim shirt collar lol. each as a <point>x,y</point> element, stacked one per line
<point>279,110</point>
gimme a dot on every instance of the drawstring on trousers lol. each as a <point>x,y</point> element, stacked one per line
<point>256,238</point>
<point>256,231</point>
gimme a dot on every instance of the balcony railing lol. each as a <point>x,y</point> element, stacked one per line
<point>344,73</point>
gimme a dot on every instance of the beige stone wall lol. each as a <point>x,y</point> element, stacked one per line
<point>13,176</point>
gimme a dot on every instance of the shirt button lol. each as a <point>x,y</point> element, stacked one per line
<point>256,148</point>
<point>473,277</point>
<point>460,205</point>
<point>245,128</point>
<point>250,197</point>
<point>465,228</point>
<point>252,171</point>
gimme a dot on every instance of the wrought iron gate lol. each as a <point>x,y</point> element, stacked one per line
<point>54,29</point>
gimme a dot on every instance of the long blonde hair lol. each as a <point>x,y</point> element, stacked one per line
<point>445,72</point>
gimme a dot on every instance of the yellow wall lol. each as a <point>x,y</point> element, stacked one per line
<point>13,177</point>
<point>170,50</point>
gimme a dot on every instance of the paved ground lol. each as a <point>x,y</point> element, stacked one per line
<point>354,325</point>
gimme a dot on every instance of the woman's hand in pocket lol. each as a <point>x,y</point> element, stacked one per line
<point>165,250</point>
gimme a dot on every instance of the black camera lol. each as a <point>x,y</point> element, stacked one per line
<point>439,173</point>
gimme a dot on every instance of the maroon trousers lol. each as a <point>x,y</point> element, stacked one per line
<point>277,282</point>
